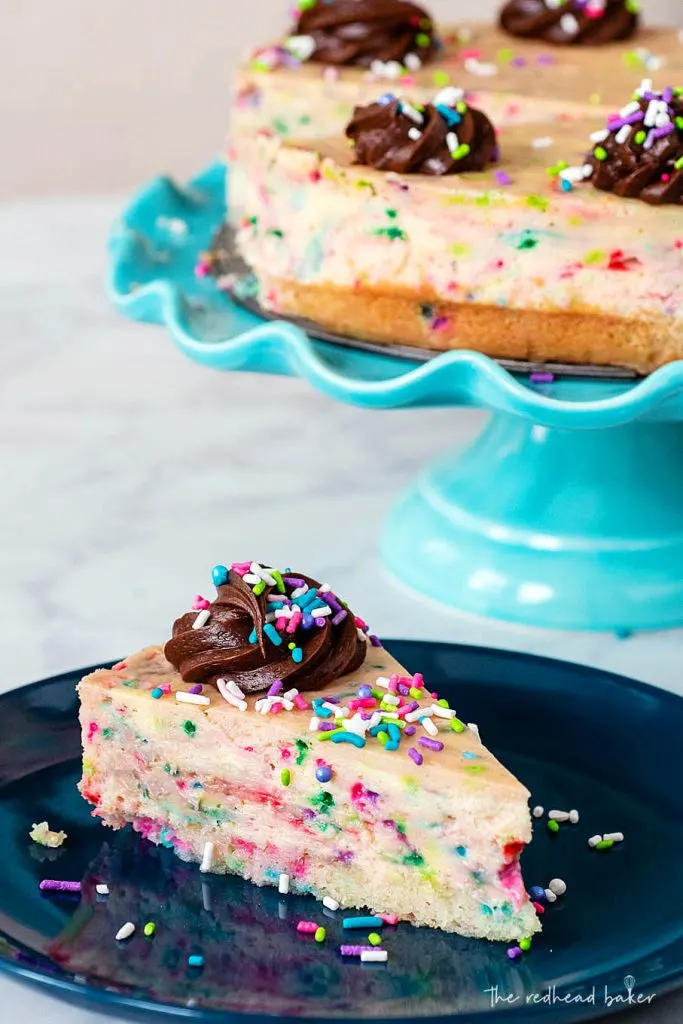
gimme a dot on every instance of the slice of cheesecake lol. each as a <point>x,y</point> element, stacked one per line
<point>357,785</point>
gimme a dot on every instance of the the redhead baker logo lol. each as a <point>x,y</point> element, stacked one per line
<point>553,995</point>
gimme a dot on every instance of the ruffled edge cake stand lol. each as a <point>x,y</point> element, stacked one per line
<point>566,511</point>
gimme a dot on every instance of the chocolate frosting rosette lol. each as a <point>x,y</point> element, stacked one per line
<point>363,32</point>
<point>571,22</point>
<point>267,627</point>
<point>444,137</point>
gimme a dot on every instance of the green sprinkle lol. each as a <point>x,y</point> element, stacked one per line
<point>475,769</point>
<point>604,844</point>
<point>679,163</point>
<point>414,858</point>
<point>422,39</point>
<point>553,826</point>
<point>528,241</point>
<point>324,801</point>
<point>302,750</point>
<point>443,703</point>
<point>679,123</point>
<point>505,55</point>
<point>285,776</point>
<point>363,183</point>
<point>457,725</point>
<point>149,929</point>
<point>189,727</point>
<point>525,944</point>
<point>538,202</point>
<point>441,78</point>
<point>320,934</point>
<point>383,737</point>
<point>374,939</point>
<point>260,587</point>
<point>305,5</point>
<point>462,151</point>
<point>106,733</point>
<point>461,107</point>
<point>391,213</point>
<point>277,576</point>
<point>600,153</point>
<point>322,736</point>
<point>392,233</point>
<point>415,693</point>
<point>640,137</point>
<point>594,256</point>
<point>130,682</point>
<point>561,165</point>
<point>632,6</point>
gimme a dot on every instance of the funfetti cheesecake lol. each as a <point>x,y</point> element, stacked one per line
<point>545,61</point>
<point>274,739</point>
<point>423,227</point>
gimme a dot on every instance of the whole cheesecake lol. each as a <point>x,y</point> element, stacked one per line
<point>564,246</point>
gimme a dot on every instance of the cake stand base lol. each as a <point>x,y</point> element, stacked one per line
<point>569,529</point>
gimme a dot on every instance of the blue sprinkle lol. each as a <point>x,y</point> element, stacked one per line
<point>219,575</point>
<point>537,893</point>
<point>461,851</point>
<point>271,633</point>
<point>394,735</point>
<point>195,960</point>
<point>253,637</point>
<point>297,654</point>
<point>391,745</point>
<point>386,99</point>
<point>485,909</point>
<point>469,755</point>
<point>451,117</point>
<point>307,621</point>
<point>362,922</point>
<point>364,691</point>
<point>323,773</point>
<point>565,185</point>
<point>307,598</point>
<point>157,692</point>
<point>377,728</point>
<point>321,712</point>
<point>348,737</point>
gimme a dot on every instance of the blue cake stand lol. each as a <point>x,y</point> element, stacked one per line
<point>566,512</point>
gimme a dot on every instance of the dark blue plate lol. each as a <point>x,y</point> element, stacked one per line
<point>577,737</point>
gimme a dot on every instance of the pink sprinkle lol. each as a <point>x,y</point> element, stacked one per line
<point>393,684</point>
<point>119,666</point>
<point>300,702</point>
<point>476,54</point>
<point>241,568</point>
<point>92,729</point>
<point>166,687</point>
<point>293,623</point>
<point>331,74</point>
<point>361,623</point>
<point>418,681</point>
<point>538,907</point>
<point>202,269</point>
<point>514,953</point>
<point>389,918</point>
<point>200,603</point>
<point>306,926</point>
<point>415,756</point>
<point>276,708</point>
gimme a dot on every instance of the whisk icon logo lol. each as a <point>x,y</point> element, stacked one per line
<point>630,997</point>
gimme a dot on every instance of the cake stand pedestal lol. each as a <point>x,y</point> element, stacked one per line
<point>566,512</point>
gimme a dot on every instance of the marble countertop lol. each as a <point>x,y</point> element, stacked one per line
<point>128,472</point>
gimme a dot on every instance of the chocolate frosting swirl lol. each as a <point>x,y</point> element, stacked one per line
<point>362,31</point>
<point>640,151</point>
<point>234,644</point>
<point>389,139</point>
<point>574,22</point>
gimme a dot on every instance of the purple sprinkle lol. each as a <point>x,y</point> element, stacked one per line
<point>427,741</point>
<point>375,640</point>
<point>403,689</point>
<point>614,124</point>
<point>326,726</point>
<point>320,622</point>
<point>331,602</point>
<point>197,688</point>
<point>665,129</point>
<point>366,716</point>
<point>439,322</point>
<point>545,58</point>
<point>415,756</point>
<point>413,706</point>
<point>668,94</point>
<point>275,688</point>
<point>503,178</point>
<point>364,691</point>
<point>339,617</point>
<point>354,950</point>
<point>409,730</point>
<point>51,885</point>
<point>514,953</point>
<point>333,700</point>
<point>518,62</point>
<point>541,377</point>
<point>293,581</point>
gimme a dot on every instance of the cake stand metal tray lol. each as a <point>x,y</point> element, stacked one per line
<point>566,512</point>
